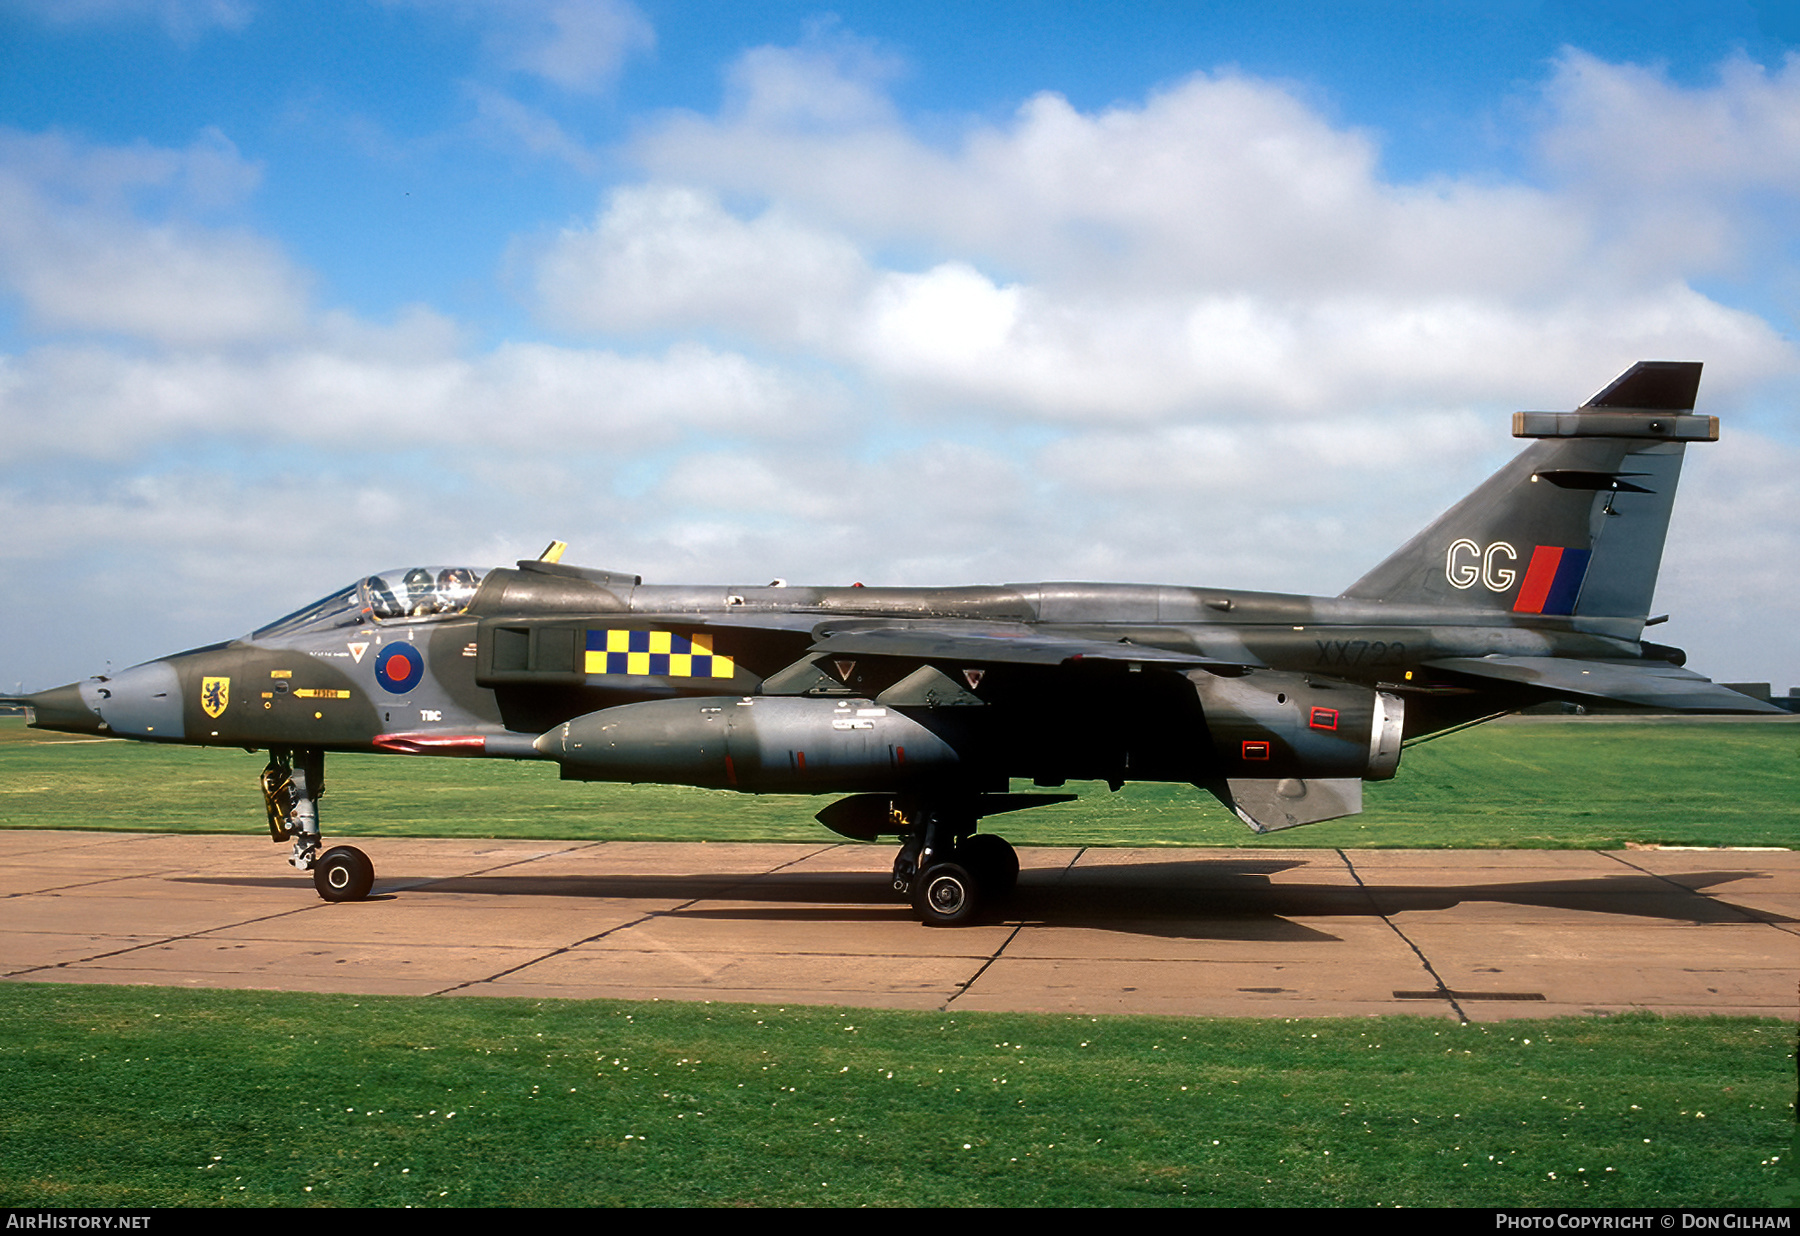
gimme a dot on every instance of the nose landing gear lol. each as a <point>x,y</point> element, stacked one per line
<point>292,785</point>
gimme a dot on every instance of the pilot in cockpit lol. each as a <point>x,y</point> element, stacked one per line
<point>455,589</point>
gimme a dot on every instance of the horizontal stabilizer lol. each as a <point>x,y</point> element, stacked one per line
<point>1646,684</point>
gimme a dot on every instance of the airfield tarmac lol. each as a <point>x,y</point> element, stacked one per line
<point>1481,935</point>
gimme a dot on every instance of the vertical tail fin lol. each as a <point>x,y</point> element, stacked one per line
<point>1575,524</point>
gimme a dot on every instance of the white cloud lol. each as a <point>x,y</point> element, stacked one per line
<point>950,318</point>
<point>1728,578</point>
<point>1219,249</point>
<point>120,569</point>
<point>1630,127</point>
<point>1687,178</point>
<point>1218,182</point>
<point>942,512</point>
<point>661,258</point>
<point>510,124</point>
<point>831,83</point>
<point>658,256</point>
<point>166,284</point>
<point>182,20</point>
<point>221,341</point>
<point>76,250</point>
<point>209,174</point>
<point>577,44</point>
<point>518,399</point>
<point>1198,339</point>
<point>1304,464</point>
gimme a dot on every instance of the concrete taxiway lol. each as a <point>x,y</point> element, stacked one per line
<point>1481,935</point>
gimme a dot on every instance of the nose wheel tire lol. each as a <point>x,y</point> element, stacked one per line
<point>947,896</point>
<point>343,873</point>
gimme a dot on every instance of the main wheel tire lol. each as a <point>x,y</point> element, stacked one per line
<point>343,873</point>
<point>947,895</point>
<point>994,862</point>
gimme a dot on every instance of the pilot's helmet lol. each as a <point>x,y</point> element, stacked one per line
<point>381,598</point>
<point>419,589</point>
<point>455,589</point>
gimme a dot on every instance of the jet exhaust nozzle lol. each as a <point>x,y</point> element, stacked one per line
<point>1273,724</point>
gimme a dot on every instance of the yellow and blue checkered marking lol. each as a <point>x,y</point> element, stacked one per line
<point>656,654</point>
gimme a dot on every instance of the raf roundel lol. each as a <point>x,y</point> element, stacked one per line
<point>398,667</point>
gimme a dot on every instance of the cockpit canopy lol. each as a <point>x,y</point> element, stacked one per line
<point>406,593</point>
<point>420,592</point>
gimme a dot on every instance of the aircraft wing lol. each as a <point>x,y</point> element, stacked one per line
<point>993,644</point>
<point>1649,684</point>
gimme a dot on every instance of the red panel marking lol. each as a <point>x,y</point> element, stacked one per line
<point>430,744</point>
<point>1324,719</point>
<point>1538,578</point>
<point>1256,750</point>
<point>900,754</point>
<point>800,760</point>
<point>730,771</point>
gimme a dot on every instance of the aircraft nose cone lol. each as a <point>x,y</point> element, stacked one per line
<point>141,702</point>
<point>62,708</point>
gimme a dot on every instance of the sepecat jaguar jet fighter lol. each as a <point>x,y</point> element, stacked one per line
<point>922,705</point>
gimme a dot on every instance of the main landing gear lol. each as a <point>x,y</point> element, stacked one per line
<point>950,872</point>
<point>292,785</point>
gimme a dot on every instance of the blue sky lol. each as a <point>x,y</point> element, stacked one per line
<point>933,293</point>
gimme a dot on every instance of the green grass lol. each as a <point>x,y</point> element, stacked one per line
<point>1534,785</point>
<point>141,1097</point>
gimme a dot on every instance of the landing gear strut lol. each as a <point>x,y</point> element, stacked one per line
<point>948,871</point>
<point>292,785</point>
